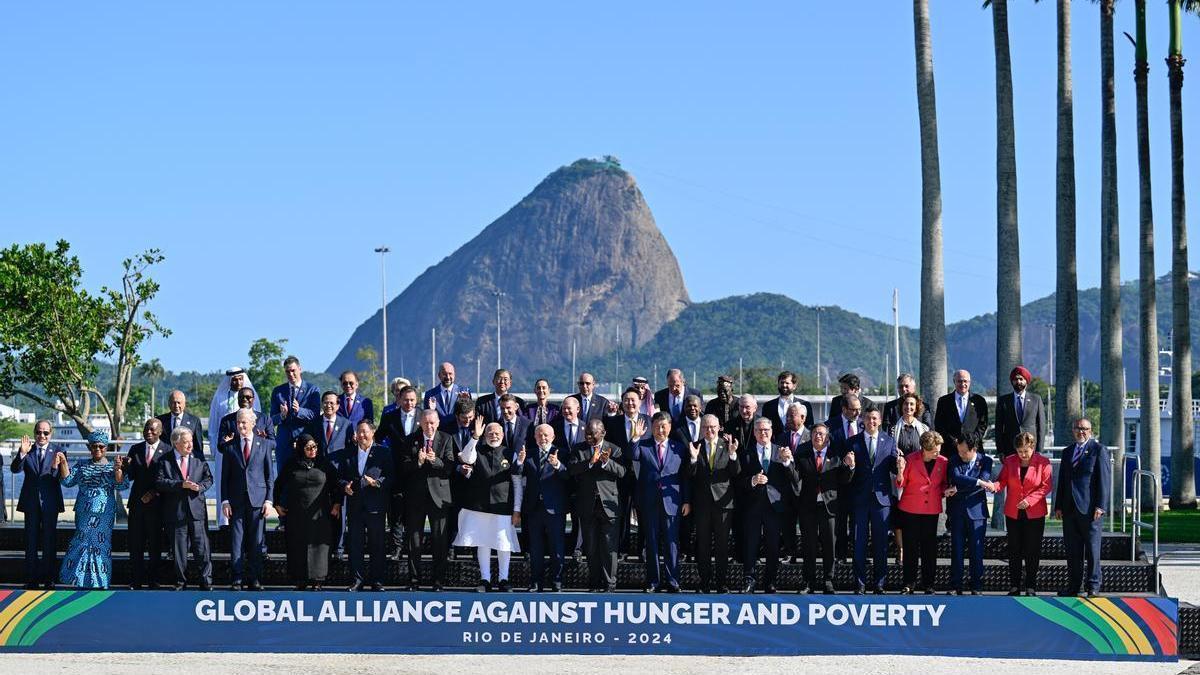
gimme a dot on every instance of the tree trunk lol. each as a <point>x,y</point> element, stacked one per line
<point>1066,308</point>
<point>1008,249</point>
<point>1112,369</point>
<point>1149,436</point>
<point>1183,451</point>
<point>933,312</point>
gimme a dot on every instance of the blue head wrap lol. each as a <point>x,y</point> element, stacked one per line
<point>97,436</point>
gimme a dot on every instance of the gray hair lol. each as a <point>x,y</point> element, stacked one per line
<point>242,412</point>
<point>762,422</point>
<point>687,400</point>
<point>905,376</point>
<point>798,406</point>
<point>747,398</point>
<point>179,433</point>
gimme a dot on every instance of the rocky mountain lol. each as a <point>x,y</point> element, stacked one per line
<point>578,259</point>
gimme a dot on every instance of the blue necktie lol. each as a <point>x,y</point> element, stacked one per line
<point>1020,409</point>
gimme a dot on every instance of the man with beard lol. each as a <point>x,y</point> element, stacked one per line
<point>776,409</point>
<point>492,507</point>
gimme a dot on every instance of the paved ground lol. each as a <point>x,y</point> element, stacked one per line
<point>1180,570</point>
<point>207,664</point>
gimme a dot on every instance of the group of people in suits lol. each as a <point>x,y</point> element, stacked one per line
<point>446,469</point>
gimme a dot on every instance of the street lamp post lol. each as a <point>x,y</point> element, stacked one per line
<point>383,251</point>
<point>499,294</point>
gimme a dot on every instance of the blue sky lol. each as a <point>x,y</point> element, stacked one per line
<point>268,147</point>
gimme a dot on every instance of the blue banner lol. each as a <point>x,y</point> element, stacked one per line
<point>1120,628</point>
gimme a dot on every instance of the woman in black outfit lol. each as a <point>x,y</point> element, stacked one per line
<point>306,492</point>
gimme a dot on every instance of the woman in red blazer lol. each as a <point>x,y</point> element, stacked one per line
<point>923,476</point>
<point>1026,478</point>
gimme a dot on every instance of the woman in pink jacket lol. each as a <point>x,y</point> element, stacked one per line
<point>923,476</point>
<point>1025,477</point>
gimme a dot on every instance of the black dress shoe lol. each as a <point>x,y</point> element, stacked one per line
<point>804,590</point>
<point>205,586</point>
<point>860,590</point>
<point>650,589</point>
<point>928,591</point>
<point>749,587</point>
<point>153,586</point>
<point>1092,594</point>
<point>672,589</point>
<point>534,588</point>
<point>235,586</point>
<point>974,592</point>
<point>907,590</point>
<point>829,588</point>
<point>255,585</point>
<point>703,588</point>
<point>556,587</point>
<point>31,587</point>
<point>723,589</point>
<point>355,587</point>
<point>1014,591</point>
<point>377,587</point>
<point>179,587</point>
<point>770,589</point>
<point>484,586</point>
<point>437,587</point>
<point>503,586</point>
<point>611,588</point>
<point>879,591</point>
<point>49,585</point>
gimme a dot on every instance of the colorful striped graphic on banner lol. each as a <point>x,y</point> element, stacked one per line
<point>25,616</point>
<point>1112,626</point>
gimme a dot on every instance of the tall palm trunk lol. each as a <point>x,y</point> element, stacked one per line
<point>1149,436</point>
<point>1183,451</point>
<point>1008,249</point>
<point>1112,369</point>
<point>1066,308</point>
<point>933,312</point>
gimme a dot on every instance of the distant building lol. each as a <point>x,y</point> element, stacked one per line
<point>11,413</point>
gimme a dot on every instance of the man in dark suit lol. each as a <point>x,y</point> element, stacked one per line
<point>663,499</point>
<point>568,432</point>
<point>776,409</point>
<point>970,474</point>
<point>351,404</point>
<point>1080,497</point>
<point>960,413</point>
<point>396,425</point>
<point>180,417</point>
<point>445,396</point>
<point>145,508</point>
<point>794,430</point>
<point>850,384</point>
<point>592,406</point>
<point>247,486</point>
<point>489,406</point>
<point>544,508</point>
<point>713,467</point>
<point>624,430</point>
<point>518,431</point>
<point>365,475</point>
<point>183,478</point>
<point>905,384</point>
<point>724,405</point>
<point>872,494</point>
<point>333,431</point>
<point>742,426</point>
<point>596,465</point>
<point>41,501</point>
<point>227,427</point>
<point>824,476</point>
<point>686,429</point>
<point>294,404</point>
<point>845,426</point>
<point>425,461</point>
<point>670,399</point>
<point>771,484</point>
<point>460,429</point>
<point>1017,412</point>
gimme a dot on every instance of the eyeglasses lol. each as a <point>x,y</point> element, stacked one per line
<point>581,383</point>
<point>1083,428</point>
<point>41,433</point>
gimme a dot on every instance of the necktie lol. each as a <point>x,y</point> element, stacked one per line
<point>407,423</point>
<point>571,434</point>
<point>764,458</point>
<point>820,459</point>
<point>462,436</point>
<point>871,448</point>
<point>851,429</point>
<point>183,467</point>
<point>446,399</point>
<point>328,430</point>
<point>795,440</point>
<point>662,455</point>
<point>712,454</point>
<point>674,406</point>
<point>585,408</point>
<point>542,456</point>
<point>349,406</point>
<point>541,415</point>
<point>149,455</point>
<point>246,449</point>
<point>631,430</point>
<point>962,408</point>
<point>1020,408</point>
<point>174,422</point>
<point>692,427</point>
<point>508,434</point>
<point>1078,455</point>
<point>428,444</point>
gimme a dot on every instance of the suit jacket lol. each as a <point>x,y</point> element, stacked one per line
<point>228,426</point>
<point>770,410</point>
<point>783,482</point>
<point>485,407</point>
<point>391,426</point>
<point>379,466</point>
<point>923,489</point>
<point>662,482</point>
<point>248,484</point>
<point>680,431</point>
<point>662,399</point>
<point>597,408</point>
<point>364,409</point>
<point>428,482</point>
<point>783,436</point>
<point>837,434</point>
<point>946,422</point>
<point>445,412</point>
<point>529,412</point>
<point>288,428</point>
<point>971,500</point>
<point>179,505</point>
<point>828,482</point>
<point>191,422</point>
<point>872,484</point>
<point>1034,488</point>
<point>724,412</point>
<point>40,489</point>
<point>835,407</point>
<point>596,481</point>
<point>143,475</point>
<point>1084,483</point>
<point>616,430</point>
<point>522,433</point>
<point>1008,425</point>
<point>343,435</point>
<point>545,486</point>
<point>713,482</point>
<point>560,434</point>
<point>891,414</point>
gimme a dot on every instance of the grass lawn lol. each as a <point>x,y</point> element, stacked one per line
<point>1175,527</point>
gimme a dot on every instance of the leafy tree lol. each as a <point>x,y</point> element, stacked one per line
<point>370,376</point>
<point>154,372</point>
<point>266,365</point>
<point>52,330</point>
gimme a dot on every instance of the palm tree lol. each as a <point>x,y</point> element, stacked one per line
<point>1112,370</point>
<point>1183,450</point>
<point>152,370</point>
<point>1008,249</point>
<point>933,310</point>
<point>1149,436</point>
<point>1066,308</point>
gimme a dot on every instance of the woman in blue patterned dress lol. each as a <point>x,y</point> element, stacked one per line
<point>88,563</point>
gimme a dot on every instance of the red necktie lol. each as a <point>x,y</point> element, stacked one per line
<point>328,431</point>
<point>428,444</point>
<point>795,437</point>
<point>349,406</point>
<point>246,449</point>
<point>820,460</point>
